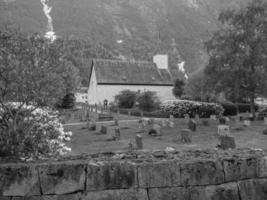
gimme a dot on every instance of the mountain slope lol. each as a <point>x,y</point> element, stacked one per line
<point>133,29</point>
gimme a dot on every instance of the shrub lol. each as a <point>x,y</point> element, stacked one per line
<point>126,98</point>
<point>35,133</point>
<point>68,101</point>
<point>148,101</point>
<point>181,107</point>
<point>230,108</point>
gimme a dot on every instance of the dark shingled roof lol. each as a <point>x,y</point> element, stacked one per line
<point>130,73</point>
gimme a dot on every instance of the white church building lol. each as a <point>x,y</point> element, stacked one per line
<point>109,77</point>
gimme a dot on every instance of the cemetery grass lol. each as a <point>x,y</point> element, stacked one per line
<point>90,142</point>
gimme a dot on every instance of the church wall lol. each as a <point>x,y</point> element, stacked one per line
<point>110,91</point>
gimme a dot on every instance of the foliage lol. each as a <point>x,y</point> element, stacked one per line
<point>178,89</point>
<point>238,53</point>
<point>68,101</point>
<point>37,134</point>
<point>126,98</point>
<point>182,107</point>
<point>148,101</point>
<point>198,88</point>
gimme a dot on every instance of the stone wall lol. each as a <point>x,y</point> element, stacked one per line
<point>195,175</point>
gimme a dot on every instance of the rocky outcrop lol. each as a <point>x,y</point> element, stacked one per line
<point>198,175</point>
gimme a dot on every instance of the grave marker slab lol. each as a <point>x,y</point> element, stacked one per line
<point>223,130</point>
<point>247,123</point>
<point>226,142</point>
<point>186,136</point>
<point>117,133</point>
<point>139,141</point>
<point>192,125</point>
<point>104,130</point>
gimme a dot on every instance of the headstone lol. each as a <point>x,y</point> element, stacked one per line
<point>104,130</point>
<point>227,119</point>
<point>116,122</point>
<point>186,136</point>
<point>247,123</point>
<point>171,124</point>
<point>265,120</point>
<point>264,131</point>
<point>187,118</point>
<point>171,118</point>
<point>130,147</point>
<point>213,117</point>
<point>226,142</point>
<point>139,141</point>
<point>117,133</point>
<point>205,122</point>
<point>155,130</point>
<point>197,118</point>
<point>223,130</point>
<point>222,120</point>
<point>192,125</point>
<point>163,123</point>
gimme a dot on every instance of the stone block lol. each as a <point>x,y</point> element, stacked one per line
<point>19,180</point>
<point>62,178</point>
<point>159,174</point>
<point>111,175</point>
<point>201,173</point>
<point>76,196</point>
<point>130,194</point>
<point>262,167</point>
<point>228,191</point>
<point>238,169</point>
<point>253,189</point>
<point>174,193</point>
<point>226,142</point>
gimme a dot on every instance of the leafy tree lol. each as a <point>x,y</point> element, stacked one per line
<point>126,98</point>
<point>178,89</point>
<point>148,101</point>
<point>33,74</point>
<point>238,52</point>
<point>68,101</point>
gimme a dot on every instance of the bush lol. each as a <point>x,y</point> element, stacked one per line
<point>36,133</point>
<point>126,98</point>
<point>182,107</point>
<point>230,108</point>
<point>68,101</point>
<point>148,101</point>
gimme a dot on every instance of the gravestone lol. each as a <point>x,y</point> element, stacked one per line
<point>104,130</point>
<point>192,125</point>
<point>247,123</point>
<point>155,130</point>
<point>226,142</point>
<point>213,117</point>
<point>227,119</point>
<point>197,118</point>
<point>171,124</point>
<point>265,120</point>
<point>222,120</point>
<point>139,141</point>
<point>116,122</point>
<point>264,132</point>
<point>117,133</point>
<point>205,122</point>
<point>163,123</point>
<point>223,130</point>
<point>186,136</point>
<point>187,118</point>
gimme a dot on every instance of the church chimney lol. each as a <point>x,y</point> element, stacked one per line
<point>161,60</point>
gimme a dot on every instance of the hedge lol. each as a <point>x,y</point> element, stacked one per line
<point>180,108</point>
<point>230,108</point>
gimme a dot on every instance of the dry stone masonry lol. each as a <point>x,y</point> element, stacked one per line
<point>189,175</point>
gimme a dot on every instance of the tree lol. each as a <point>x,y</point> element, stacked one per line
<point>178,89</point>
<point>238,52</point>
<point>148,101</point>
<point>126,98</point>
<point>32,75</point>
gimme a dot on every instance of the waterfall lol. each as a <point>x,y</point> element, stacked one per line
<point>50,34</point>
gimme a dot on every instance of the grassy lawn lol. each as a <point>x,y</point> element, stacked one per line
<point>85,141</point>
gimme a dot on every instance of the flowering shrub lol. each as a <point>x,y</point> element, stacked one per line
<point>181,107</point>
<point>30,133</point>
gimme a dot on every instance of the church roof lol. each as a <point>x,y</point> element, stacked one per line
<point>112,72</point>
